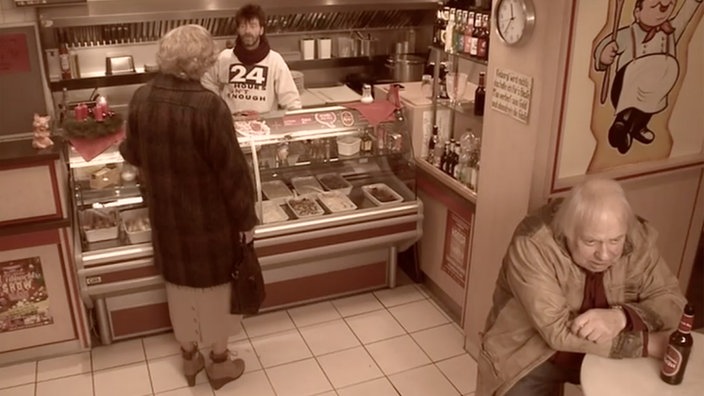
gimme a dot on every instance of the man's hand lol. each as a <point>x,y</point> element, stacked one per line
<point>599,325</point>
<point>608,54</point>
<point>657,344</point>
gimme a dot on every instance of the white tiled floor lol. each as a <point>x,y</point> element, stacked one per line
<point>389,342</point>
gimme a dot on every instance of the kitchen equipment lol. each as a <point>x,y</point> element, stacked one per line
<point>348,145</point>
<point>308,49</point>
<point>367,45</point>
<point>345,47</point>
<point>406,67</point>
<point>119,65</point>
<point>324,48</point>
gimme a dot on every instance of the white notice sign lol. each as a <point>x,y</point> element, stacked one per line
<point>511,94</point>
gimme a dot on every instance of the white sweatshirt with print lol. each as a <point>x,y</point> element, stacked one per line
<point>262,87</point>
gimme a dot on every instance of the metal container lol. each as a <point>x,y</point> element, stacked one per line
<point>406,67</point>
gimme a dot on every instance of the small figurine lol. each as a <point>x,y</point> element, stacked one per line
<point>41,138</point>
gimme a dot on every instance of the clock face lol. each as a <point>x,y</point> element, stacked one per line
<point>514,20</point>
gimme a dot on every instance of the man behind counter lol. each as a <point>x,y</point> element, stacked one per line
<point>252,77</point>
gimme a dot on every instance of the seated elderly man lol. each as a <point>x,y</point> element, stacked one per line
<point>580,276</point>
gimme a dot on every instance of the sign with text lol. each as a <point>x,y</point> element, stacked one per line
<point>456,252</point>
<point>24,301</point>
<point>511,94</point>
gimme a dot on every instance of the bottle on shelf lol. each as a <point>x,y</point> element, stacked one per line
<point>476,32</point>
<point>449,159</point>
<point>64,58</point>
<point>433,142</point>
<point>450,31</point>
<point>480,95</point>
<point>443,158</point>
<point>468,32</point>
<point>483,43</point>
<point>439,27</point>
<point>678,349</point>
<point>459,31</point>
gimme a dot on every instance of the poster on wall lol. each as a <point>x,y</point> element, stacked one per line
<point>456,252</point>
<point>633,89</point>
<point>14,54</point>
<point>24,301</point>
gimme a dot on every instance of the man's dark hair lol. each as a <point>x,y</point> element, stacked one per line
<point>248,12</point>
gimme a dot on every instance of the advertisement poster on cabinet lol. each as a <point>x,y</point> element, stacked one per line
<point>24,301</point>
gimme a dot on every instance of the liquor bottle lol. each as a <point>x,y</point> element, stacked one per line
<point>479,96</point>
<point>450,31</point>
<point>443,158</point>
<point>678,349</point>
<point>439,27</point>
<point>450,157</point>
<point>468,31</point>
<point>433,142</point>
<point>459,30</point>
<point>474,41</point>
<point>64,58</point>
<point>483,43</point>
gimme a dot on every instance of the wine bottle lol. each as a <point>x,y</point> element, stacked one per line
<point>479,96</point>
<point>678,349</point>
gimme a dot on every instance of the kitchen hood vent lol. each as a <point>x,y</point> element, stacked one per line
<point>92,35</point>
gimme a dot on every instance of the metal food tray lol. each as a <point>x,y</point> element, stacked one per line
<point>273,213</point>
<point>306,185</point>
<point>336,201</point>
<point>307,201</point>
<point>276,189</point>
<point>335,182</point>
<point>372,191</point>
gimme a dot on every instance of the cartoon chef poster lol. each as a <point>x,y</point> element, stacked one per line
<point>643,63</point>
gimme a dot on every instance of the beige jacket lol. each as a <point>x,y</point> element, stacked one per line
<point>539,291</point>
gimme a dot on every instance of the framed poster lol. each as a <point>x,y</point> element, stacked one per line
<point>34,301</point>
<point>632,100</point>
<point>455,260</point>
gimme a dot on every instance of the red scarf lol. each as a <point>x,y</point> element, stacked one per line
<point>650,31</point>
<point>250,57</point>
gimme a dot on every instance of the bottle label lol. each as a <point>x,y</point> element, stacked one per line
<point>671,362</point>
<point>64,62</point>
<point>686,323</point>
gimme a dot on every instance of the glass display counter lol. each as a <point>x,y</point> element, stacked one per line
<point>336,200</point>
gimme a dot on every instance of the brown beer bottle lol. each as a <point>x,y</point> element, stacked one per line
<point>678,349</point>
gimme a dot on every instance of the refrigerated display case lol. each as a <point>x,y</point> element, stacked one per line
<point>333,213</point>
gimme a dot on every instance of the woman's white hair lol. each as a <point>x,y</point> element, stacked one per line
<point>186,52</point>
<point>588,202</point>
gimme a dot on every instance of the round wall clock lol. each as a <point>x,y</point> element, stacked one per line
<point>514,20</point>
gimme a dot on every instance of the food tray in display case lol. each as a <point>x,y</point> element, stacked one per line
<point>99,224</point>
<point>381,194</point>
<point>335,182</point>
<point>305,206</point>
<point>336,201</point>
<point>135,223</point>
<point>306,185</point>
<point>276,189</point>
<point>273,213</point>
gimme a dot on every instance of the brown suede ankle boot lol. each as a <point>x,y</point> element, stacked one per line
<point>223,370</point>
<point>193,363</point>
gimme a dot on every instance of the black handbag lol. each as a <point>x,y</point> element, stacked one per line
<point>248,290</point>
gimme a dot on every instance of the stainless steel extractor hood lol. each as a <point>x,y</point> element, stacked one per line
<point>125,21</point>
